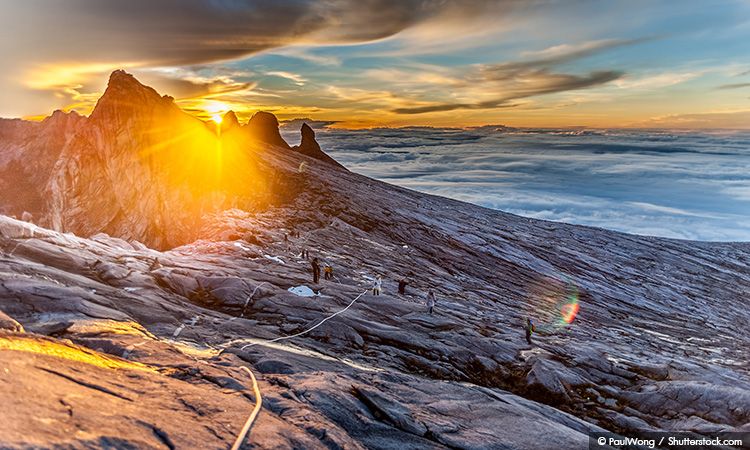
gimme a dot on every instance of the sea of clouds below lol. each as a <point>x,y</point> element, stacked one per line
<point>687,185</point>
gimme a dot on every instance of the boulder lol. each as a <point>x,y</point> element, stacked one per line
<point>10,324</point>
<point>551,379</point>
<point>718,404</point>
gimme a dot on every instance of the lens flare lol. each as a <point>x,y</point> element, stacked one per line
<point>569,310</point>
<point>552,304</point>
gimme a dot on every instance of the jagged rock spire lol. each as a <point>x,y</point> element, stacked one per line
<point>126,96</point>
<point>264,127</point>
<point>229,121</point>
<point>310,147</point>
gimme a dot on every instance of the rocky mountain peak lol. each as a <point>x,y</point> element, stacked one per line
<point>122,83</point>
<point>141,168</point>
<point>125,96</point>
<point>61,119</point>
<point>264,127</point>
<point>229,121</point>
<point>108,320</point>
<point>308,135</point>
<point>310,147</point>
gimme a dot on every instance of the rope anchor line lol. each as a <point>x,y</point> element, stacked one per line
<point>259,400</point>
<point>281,338</point>
<point>253,414</point>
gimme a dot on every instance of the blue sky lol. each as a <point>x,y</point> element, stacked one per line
<point>450,65</point>
<point>393,63</point>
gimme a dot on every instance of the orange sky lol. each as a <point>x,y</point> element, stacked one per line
<point>623,64</point>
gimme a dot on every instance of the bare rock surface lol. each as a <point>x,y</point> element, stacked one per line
<point>28,151</point>
<point>385,374</point>
<point>310,147</point>
<point>107,342</point>
<point>140,168</point>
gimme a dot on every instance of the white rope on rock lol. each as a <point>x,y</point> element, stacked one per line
<point>259,400</point>
<point>251,418</point>
<point>281,338</point>
<point>244,307</point>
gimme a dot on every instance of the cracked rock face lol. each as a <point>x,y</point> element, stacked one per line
<point>110,342</point>
<point>142,169</point>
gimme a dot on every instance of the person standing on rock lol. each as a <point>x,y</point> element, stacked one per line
<point>431,301</point>
<point>315,270</point>
<point>155,265</point>
<point>328,272</point>
<point>530,328</point>
<point>402,286</point>
<point>378,285</point>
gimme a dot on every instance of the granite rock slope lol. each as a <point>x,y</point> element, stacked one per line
<point>133,337</point>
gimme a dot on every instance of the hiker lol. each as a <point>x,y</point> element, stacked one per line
<point>316,270</point>
<point>402,286</point>
<point>155,265</point>
<point>378,285</point>
<point>305,253</point>
<point>530,328</point>
<point>328,272</point>
<point>430,301</point>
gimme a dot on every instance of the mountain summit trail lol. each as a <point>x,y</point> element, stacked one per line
<point>135,272</point>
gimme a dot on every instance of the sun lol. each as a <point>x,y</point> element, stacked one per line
<point>215,110</point>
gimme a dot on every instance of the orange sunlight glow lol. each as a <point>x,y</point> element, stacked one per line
<point>215,109</point>
<point>70,352</point>
<point>205,168</point>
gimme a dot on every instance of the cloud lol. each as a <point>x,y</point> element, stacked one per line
<point>615,179</point>
<point>299,80</point>
<point>493,104</point>
<point>739,192</point>
<point>655,81</point>
<point>511,81</point>
<point>567,52</point>
<point>180,32</point>
<point>734,86</point>
<point>295,124</point>
<point>670,210</point>
<point>45,35</point>
<point>186,84</point>
<point>715,119</point>
<point>196,31</point>
<point>519,84</point>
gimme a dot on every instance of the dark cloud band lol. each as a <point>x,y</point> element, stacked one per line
<point>547,83</point>
<point>180,32</point>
